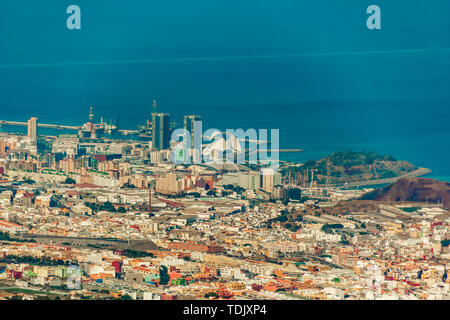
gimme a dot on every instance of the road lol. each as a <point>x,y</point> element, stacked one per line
<point>416,173</point>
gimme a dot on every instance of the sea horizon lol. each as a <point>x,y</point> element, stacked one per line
<point>315,71</point>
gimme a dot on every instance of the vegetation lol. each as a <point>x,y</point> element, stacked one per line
<point>327,228</point>
<point>350,158</point>
<point>253,203</point>
<point>27,291</point>
<point>136,254</point>
<point>163,275</point>
<point>107,206</point>
<point>43,146</point>
<point>195,194</point>
<point>410,209</point>
<point>233,188</point>
<point>128,186</point>
<point>70,181</point>
<point>343,166</point>
<point>6,237</point>
<point>44,261</point>
<point>281,218</point>
<point>344,240</point>
<point>292,227</point>
<point>445,243</point>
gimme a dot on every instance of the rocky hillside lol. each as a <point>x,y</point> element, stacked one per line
<point>413,189</point>
<point>347,167</point>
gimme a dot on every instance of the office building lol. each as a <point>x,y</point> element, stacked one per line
<point>248,181</point>
<point>189,126</point>
<point>267,179</point>
<point>160,131</point>
<point>32,128</point>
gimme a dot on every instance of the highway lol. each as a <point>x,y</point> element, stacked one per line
<point>416,173</point>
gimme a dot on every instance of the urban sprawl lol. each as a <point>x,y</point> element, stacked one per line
<point>88,216</point>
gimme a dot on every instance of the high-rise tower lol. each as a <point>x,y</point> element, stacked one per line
<point>267,179</point>
<point>189,126</point>
<point>91,114</point>
<point>161,131</point>
<point>32,128</point>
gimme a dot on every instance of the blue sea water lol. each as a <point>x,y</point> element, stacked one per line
<point>309,68</point>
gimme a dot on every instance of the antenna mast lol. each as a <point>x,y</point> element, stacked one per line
<point>149,200</point>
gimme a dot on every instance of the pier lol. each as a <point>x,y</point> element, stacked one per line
<point>40,125</point>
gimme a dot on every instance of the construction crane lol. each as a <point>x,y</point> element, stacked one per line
<point>149,200</point>
<point>312,178</point>
<point>328,174</point>
<point>150,209</point>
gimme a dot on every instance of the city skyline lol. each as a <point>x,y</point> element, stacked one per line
<point>236,159</point>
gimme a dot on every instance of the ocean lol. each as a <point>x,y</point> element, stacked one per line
<point>311,69</point>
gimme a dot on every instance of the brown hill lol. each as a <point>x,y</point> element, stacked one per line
<point>413,189</point>
<point>349,167</point>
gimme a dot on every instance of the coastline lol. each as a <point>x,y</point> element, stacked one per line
<point>420,172</point>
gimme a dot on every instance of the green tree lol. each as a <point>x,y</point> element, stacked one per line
<point>128,185</point>
<point>70,181</point>
<point>445,243</point>
<point>107,206</point>
<point>130,253</point>
<point>163,275</point>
